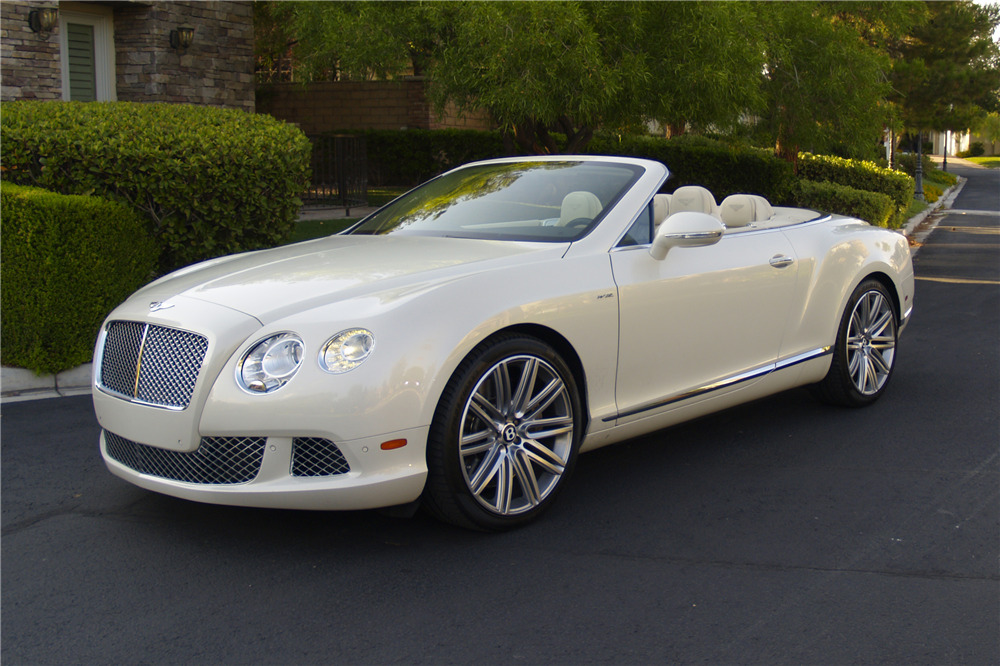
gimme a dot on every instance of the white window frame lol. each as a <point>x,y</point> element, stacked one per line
<point>100,18</point>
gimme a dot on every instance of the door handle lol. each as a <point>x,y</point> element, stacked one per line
<point>781,261</point>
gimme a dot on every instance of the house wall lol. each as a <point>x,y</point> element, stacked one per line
<point>216,70</point>
<point>957,142</point>
<point>29,61</point>
<point>329,106</point>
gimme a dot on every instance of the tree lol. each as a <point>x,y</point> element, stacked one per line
<point>989,126</point>
<point>705,61</point>
<point>824,81</point>
<point>818,75</point>
<point>541,66</point>
<point>946,71</point>
<point>274,39</point>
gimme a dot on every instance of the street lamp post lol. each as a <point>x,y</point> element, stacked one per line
<point>944,164</point>
<point>919,172</point>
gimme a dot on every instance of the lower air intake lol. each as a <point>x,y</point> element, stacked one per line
<point>218,460</point>
<point>314,456</point>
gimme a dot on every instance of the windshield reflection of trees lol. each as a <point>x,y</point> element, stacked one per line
<point>438,197</point>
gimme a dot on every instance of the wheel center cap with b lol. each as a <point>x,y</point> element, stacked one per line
<point>509,434</point>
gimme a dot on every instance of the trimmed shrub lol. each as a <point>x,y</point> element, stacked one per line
<point>67,262</point>
<point>697,160</point>
<point>861,175</point>
<point>977,149</point>
<point>907,163</point>
<point>409,157</point>
<point>209,181</point>
<point>872,207</point>
<point>932,192</point>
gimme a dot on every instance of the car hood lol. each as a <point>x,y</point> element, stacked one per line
<point>271,284</point>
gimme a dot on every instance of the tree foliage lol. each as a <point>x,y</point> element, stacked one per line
<point>537,66</point>
<point>705,61</point>
<point>818,76</point>
<point>946,71</point>
<point>825,81</point>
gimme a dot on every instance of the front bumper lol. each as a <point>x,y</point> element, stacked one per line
<point>376,477</point>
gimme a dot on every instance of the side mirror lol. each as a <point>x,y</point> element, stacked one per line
<point>686,229</point>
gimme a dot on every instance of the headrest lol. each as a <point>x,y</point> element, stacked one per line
<point>739,210</point>
<point>579,204</point>
<point>661,209</point>
<point>693,198</point>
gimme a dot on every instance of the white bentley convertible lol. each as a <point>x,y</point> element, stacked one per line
<point>462,345</point>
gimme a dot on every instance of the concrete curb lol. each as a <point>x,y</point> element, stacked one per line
<point>18,384</point>
<point>946,199</point>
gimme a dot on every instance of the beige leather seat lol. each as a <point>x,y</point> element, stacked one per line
<point>579,204</point>
<point>661,209</point>
<point>693,198</point>
<point>741,210</point>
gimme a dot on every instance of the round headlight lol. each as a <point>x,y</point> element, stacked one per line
<point>270,364</point>
<point>346,350</point>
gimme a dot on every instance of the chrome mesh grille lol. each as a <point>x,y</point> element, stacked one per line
<point>167,370</point>
<point>217,460</point>
<point>314,456</point>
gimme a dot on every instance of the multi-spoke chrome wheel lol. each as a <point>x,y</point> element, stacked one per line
<point>871,342</point>
<point>865,352</point>
<point>504,436</point>
<point>516,434</point>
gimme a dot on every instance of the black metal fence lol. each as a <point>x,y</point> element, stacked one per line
<point>339,172</point>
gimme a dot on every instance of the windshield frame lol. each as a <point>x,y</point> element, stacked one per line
<point>458,203</point>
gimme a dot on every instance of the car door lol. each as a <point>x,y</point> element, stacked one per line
<point>694,321</point>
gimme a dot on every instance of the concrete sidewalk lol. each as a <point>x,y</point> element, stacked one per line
<point>17,384</point>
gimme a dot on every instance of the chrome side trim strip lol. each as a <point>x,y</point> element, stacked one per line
<point>803,357</point>
<point>725,383</point>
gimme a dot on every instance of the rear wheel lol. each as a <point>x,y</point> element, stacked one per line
<point>865,352</point>
<point>504,437</point>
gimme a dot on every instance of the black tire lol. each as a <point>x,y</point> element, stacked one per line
<point>516,403</point>
<point>864,354</point>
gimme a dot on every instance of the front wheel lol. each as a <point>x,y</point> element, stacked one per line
<point>504,437</point>
<point>865,352</point>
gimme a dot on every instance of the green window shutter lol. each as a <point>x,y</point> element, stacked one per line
<point>82,69</point>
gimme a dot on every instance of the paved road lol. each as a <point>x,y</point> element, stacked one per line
<point>782,532</point>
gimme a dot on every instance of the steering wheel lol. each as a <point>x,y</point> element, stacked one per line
<point>579,222</point>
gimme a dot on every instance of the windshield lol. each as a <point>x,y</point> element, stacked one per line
<point>522,201</point>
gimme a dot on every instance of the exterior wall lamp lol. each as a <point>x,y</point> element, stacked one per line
<point>181,38</point>
<point>43,20</point>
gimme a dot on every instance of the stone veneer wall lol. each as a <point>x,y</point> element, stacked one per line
<point>324,107</point>
<point>29,61</point>
<point>216,70</point>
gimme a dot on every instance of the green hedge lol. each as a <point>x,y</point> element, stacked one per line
<point>209,181</point>
<point>409,157</point>
<point>873,207</point>
<point>908,164</point>
<point>861,175</point>
<point>977,149</point>
<point>67,261</point>
<point>721,168</point>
